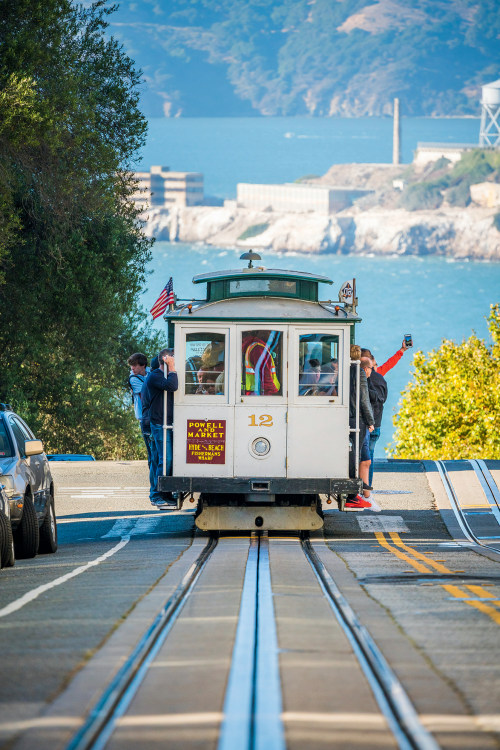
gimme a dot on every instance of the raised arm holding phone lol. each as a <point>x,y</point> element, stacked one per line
<point>407,343</point>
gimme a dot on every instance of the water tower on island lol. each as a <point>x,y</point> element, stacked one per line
<point>489,134</point>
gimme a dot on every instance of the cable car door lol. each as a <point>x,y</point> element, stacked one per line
<point>318,410</point>
<point>203,415</point>
<point>261,401</point>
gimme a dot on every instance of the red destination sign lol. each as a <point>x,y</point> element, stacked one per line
<point>206,441</point>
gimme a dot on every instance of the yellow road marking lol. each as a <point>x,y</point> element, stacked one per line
<point>477,590</point>
<point>384,543</point>
<point>455,591</point>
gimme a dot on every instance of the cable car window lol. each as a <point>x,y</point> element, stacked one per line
<point>278,286</point>
<point>262,363</point>
<point>205,364</point>
<point>318,365</point>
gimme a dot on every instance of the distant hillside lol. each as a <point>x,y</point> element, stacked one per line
<point>311,57</point>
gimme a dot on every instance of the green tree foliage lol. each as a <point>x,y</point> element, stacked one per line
<point>72,252</point>
<point>451,408</point>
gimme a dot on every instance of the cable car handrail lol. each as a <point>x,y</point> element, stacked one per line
<point>356,362</point>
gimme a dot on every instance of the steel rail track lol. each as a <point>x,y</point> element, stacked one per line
<point>99,725</point>
<point>402,717</point>
<point>492,495</point>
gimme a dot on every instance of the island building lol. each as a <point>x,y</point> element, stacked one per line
<point>489,132</point>
<point>296,197</point>
<point>427,152</point>
<point>160,187</point>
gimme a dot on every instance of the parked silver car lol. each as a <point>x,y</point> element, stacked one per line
<point>28,485</point>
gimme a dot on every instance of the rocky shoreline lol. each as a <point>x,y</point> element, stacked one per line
<point>464,233</point>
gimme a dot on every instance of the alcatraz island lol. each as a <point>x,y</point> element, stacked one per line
<point>446,202</point>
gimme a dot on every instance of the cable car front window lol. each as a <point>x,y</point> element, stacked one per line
<point>318,365</point>
<point>205,364</point>
<point>262,363</point>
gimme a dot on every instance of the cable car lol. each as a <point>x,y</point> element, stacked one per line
<point>261,415</point>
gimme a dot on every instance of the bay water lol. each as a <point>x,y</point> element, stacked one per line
<point>430,297</point>
<point>228,150</point>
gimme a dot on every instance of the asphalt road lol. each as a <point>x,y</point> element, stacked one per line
<point>68,621</point>
<point>115,547</point>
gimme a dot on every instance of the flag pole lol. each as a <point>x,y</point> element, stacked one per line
<point>165,424</point>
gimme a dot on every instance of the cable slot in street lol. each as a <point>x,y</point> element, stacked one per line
<point>252,705</point>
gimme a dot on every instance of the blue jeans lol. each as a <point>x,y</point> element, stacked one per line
<point>156,468</point>
<point>374,436</point>
<point>146,434</point>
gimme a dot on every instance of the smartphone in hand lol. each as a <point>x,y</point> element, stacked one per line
<point>408,339</point>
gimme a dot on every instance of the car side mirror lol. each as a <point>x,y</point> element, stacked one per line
<point>33,447</point>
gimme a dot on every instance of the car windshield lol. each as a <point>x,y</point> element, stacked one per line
<point>5,445</point>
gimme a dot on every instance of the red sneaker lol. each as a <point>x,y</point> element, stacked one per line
<point>359,503</point>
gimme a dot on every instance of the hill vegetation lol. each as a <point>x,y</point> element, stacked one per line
<point>443,182</point>
<point>311,57</point>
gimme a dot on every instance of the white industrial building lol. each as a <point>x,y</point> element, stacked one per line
<point>428,152</point>
<point>293,197</point>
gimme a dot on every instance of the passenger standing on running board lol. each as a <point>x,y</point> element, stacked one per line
<point>159,381</point>
<point>379,384</point>
<point>366,420</point>
<point>138,371</point>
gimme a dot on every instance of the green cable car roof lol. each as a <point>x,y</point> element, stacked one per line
<point>259,272</point>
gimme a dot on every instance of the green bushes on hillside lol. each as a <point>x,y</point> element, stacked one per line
<point>422,195</point>
<point>253,231</point>
<point>312,57</point>
<point>452,186</point>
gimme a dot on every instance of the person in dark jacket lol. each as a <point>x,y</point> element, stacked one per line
<point>377,389</point>
<point>161,380</point>
<point>366,421</point>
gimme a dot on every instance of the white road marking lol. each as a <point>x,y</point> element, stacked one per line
<point>374,721</point>
<point>392,492</point>
<point>119,528</point>
<point>35,593</point>
<point>382,523</point>
<point>82,497</point>
<point>169,720</point>
<point>132,527</point>
<point>87,489</point>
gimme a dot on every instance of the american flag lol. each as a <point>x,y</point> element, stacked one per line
<point>165,298</point>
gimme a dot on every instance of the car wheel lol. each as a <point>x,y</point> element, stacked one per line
<point>48,530</point>
<point>27,535</point>
<point>7,558</point>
